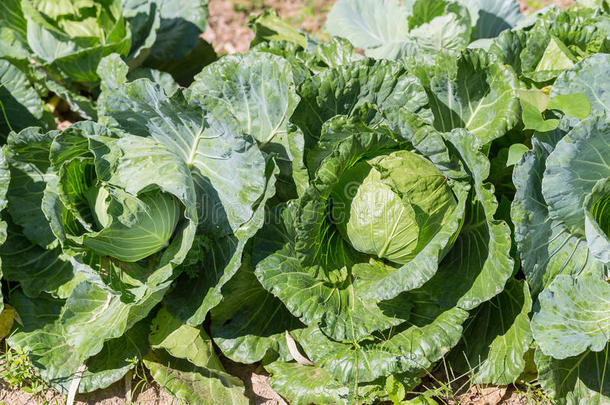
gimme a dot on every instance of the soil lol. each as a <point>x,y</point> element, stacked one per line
<point>256,380</point>
<point>116,394</point>
<point>228,33</point>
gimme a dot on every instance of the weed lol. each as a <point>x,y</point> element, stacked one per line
<point>18,372</point>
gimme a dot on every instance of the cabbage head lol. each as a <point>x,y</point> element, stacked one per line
<point>392,226</point>
<point>120,215</point>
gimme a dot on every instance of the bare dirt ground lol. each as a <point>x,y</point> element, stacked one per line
<point>228,32</point>
<point>116,394</point>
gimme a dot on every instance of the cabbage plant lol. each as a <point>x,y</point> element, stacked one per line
<point>561,219</point>
<point>124,223</point>
<point>104,218</point>
<point>58,45</point>
<point>390,244</point>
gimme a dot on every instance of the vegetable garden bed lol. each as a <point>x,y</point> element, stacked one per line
<point>427,189</point>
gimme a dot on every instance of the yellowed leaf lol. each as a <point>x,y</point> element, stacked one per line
<point>7,316</point>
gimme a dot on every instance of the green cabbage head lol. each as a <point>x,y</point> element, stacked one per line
<point>120,196</point>
<point>392,223</point>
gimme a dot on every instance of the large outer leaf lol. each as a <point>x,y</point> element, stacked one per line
<point>29,163</point>
<point>143,20</point>
<point>341,91</point>
<point>194,11</point>
<point>493,16</point>
<point>587,76</point>
<point>198,377</point>
<point>257,88</point>
<point>35,268</point>
<point>42,338</point>
<point>579,380</point>
<point>439,26</point>
<point>572,169</point>
<point>20,105</point>
<point>211,146</point>
<point>477,94</point>
<point>496,337</point>
<point>194,384</point>
<point>175,38</point>
<point>183,341</point>
<point>167,36</point>
<point>574,316</point>
<point>177,32</point>
<point>413,346</point>
<point>369,23</point>
<point>13,31</point>
<point>249,324</point>
<point>304,385</point>
<point>92,315</point>
<point>117,357</point>
<point>89,317</point>
<point>545,246</point>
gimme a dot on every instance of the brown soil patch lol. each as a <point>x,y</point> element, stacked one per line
<point>113,395</point>
<point>256,380</point>
<point>228,25</point>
